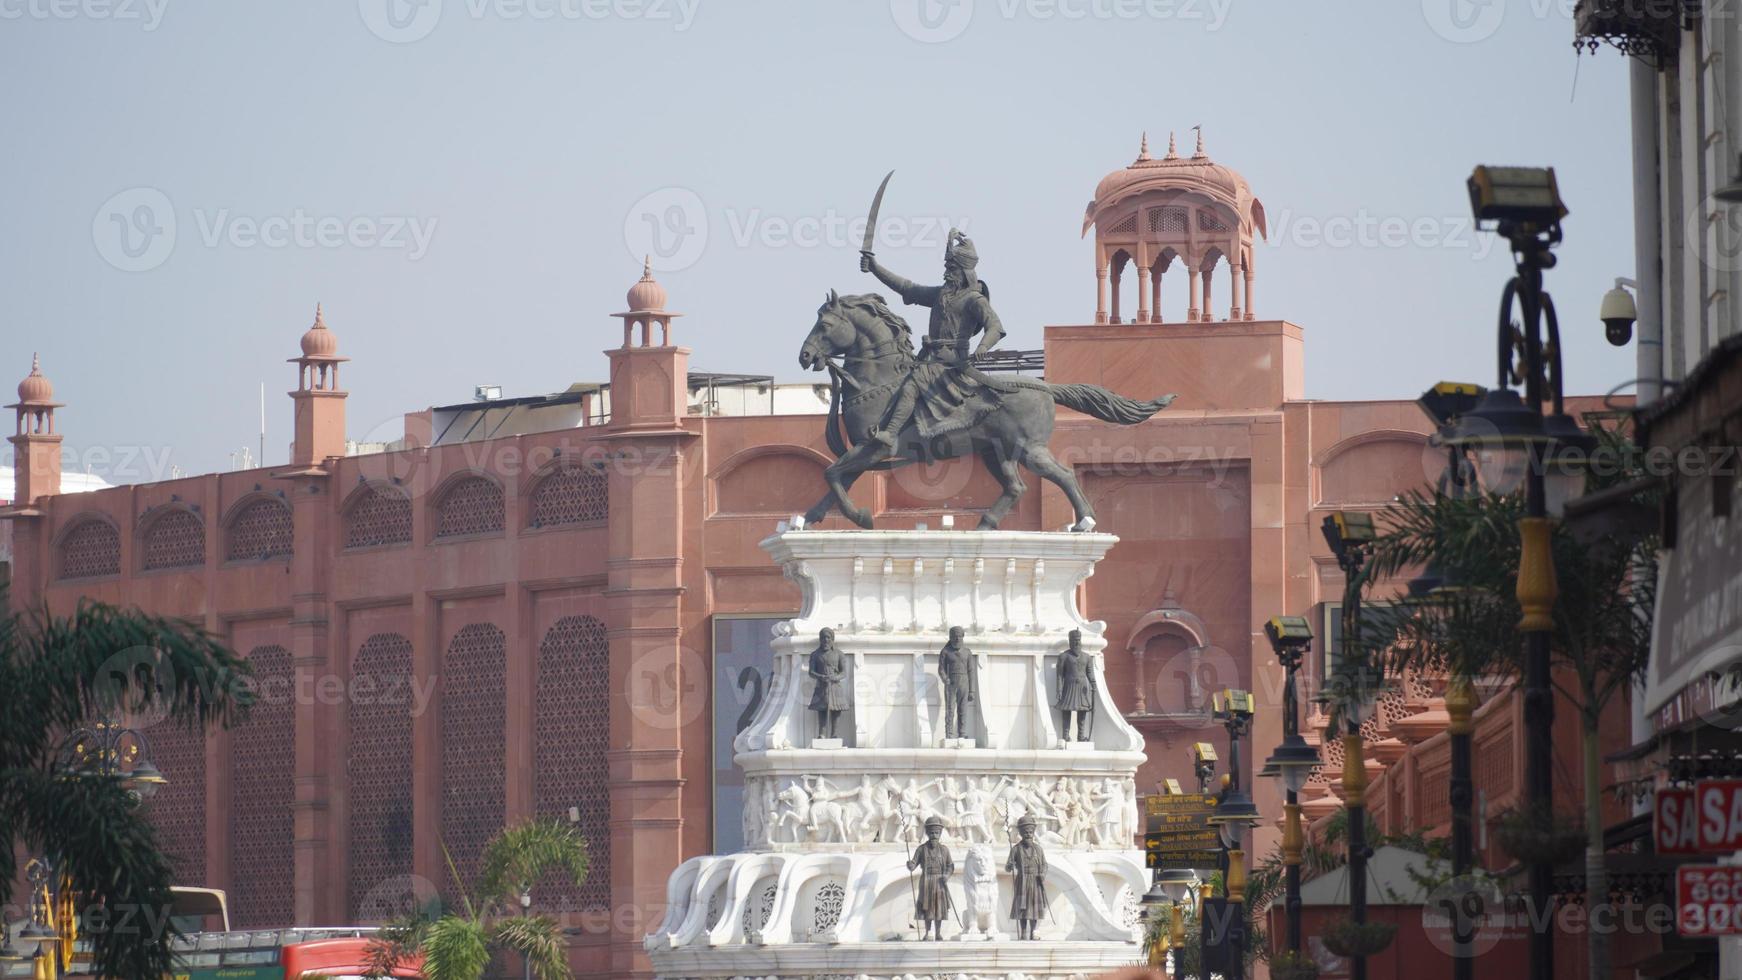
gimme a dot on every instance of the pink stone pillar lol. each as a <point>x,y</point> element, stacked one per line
<point>1248,282</point>
<point>1155,297</point>
<point>1142,294</point>
<point>1209,301</point>
<point>1100,285</point>
<point>1113,314</point>
<point>1196,285</point>
<point>1234,276</point>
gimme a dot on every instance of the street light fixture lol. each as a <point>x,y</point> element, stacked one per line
<point>1234,812</point>
<point>1293,761</point>
<point>1352,689</point>
<point>1525,207</point>
<point>1203,764</point>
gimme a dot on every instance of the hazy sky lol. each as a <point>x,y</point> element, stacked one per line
<point>468,185</point>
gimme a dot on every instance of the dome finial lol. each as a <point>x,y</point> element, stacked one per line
<point>35,389</point>
<point>1172,148</point>
<point>1199,153</point>
<point>1143,148</point>
<point>318,341</point>
<point>647,293</point>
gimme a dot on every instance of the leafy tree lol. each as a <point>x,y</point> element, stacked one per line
<point>56,674</point>
<point>1602,614</point>
<point>457,944</point>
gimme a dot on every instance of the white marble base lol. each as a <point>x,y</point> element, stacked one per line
<point>822,888</point>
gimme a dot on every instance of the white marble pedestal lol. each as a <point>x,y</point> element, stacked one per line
<point>822,887</point>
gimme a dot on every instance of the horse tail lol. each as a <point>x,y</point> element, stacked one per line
<point>1105,405</point>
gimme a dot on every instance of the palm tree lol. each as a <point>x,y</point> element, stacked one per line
<point>1602,615</point>
<point>58,673</point>
<point>457,945</point>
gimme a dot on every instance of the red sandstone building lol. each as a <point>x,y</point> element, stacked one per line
<point>482,626</point>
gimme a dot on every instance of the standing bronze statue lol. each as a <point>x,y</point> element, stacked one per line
<point>1076,690</point>
<point>890,407</point>
<point>1027,867</point>
<point>956,673</point>
<point>829,669</point>
<point>932,903</point>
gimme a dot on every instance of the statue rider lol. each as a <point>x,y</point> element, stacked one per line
<point>960,308</point>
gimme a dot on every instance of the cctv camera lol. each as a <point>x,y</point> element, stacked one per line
<point>1618,313</point>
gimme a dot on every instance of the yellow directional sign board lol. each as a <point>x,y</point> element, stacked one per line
<point>1179,833</point>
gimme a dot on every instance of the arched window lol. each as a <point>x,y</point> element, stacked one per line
<point>89,549</point>
<point>380,515</point>
<point>259,531</point>
<point>263,767</point>
<point>571,732</point>
<point>378,765</point>
<point>174,539</point>
<point>574,494</point>
<point>472,505</point>
<point>474,718</point>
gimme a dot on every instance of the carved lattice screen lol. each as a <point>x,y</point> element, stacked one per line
<point>261,530</point>
<point>382,515</point>
<point>378,766</point>
<point>90,549</point>
<point>263,765</point>
<point>473,746</point>
<point>175,540</point>
<point>471,506</point>
<point>179,808</point>
<point>575,494</point>
<point>571,733</point>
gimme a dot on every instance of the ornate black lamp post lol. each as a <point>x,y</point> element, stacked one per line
<point>1523,205</point>
<point>1168,892</point>
<point>1352,688</point>
<point>1233,815</point>
<point>105,749</point>
<point>1444,403</point>
<point>1293,761</point>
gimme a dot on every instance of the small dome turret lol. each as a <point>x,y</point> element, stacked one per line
<point>647,295</point>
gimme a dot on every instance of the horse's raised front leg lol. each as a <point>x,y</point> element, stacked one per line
<point>1041,461</point>
<point>840,476</point>
<point>1010,478</point>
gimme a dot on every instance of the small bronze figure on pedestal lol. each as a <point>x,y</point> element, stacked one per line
<point>932,903</point>
<point>829,669</point>
<point>956,672</point>
<point>1027,867</point>
<point>1076,693</point>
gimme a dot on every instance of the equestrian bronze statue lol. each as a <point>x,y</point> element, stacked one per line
<point>891,406</point>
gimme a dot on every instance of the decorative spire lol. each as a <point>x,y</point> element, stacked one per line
<point>1199,153</point>
<point>647,267</point>
<point>35,389</point>
<point>318,341</point>
<point>1172,149</point>
<point>1143,150</point>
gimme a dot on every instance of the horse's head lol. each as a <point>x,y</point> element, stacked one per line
<point>846,322</point>
<point>831,335</point>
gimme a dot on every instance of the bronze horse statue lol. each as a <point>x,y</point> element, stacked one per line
<point>1008,427</point>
